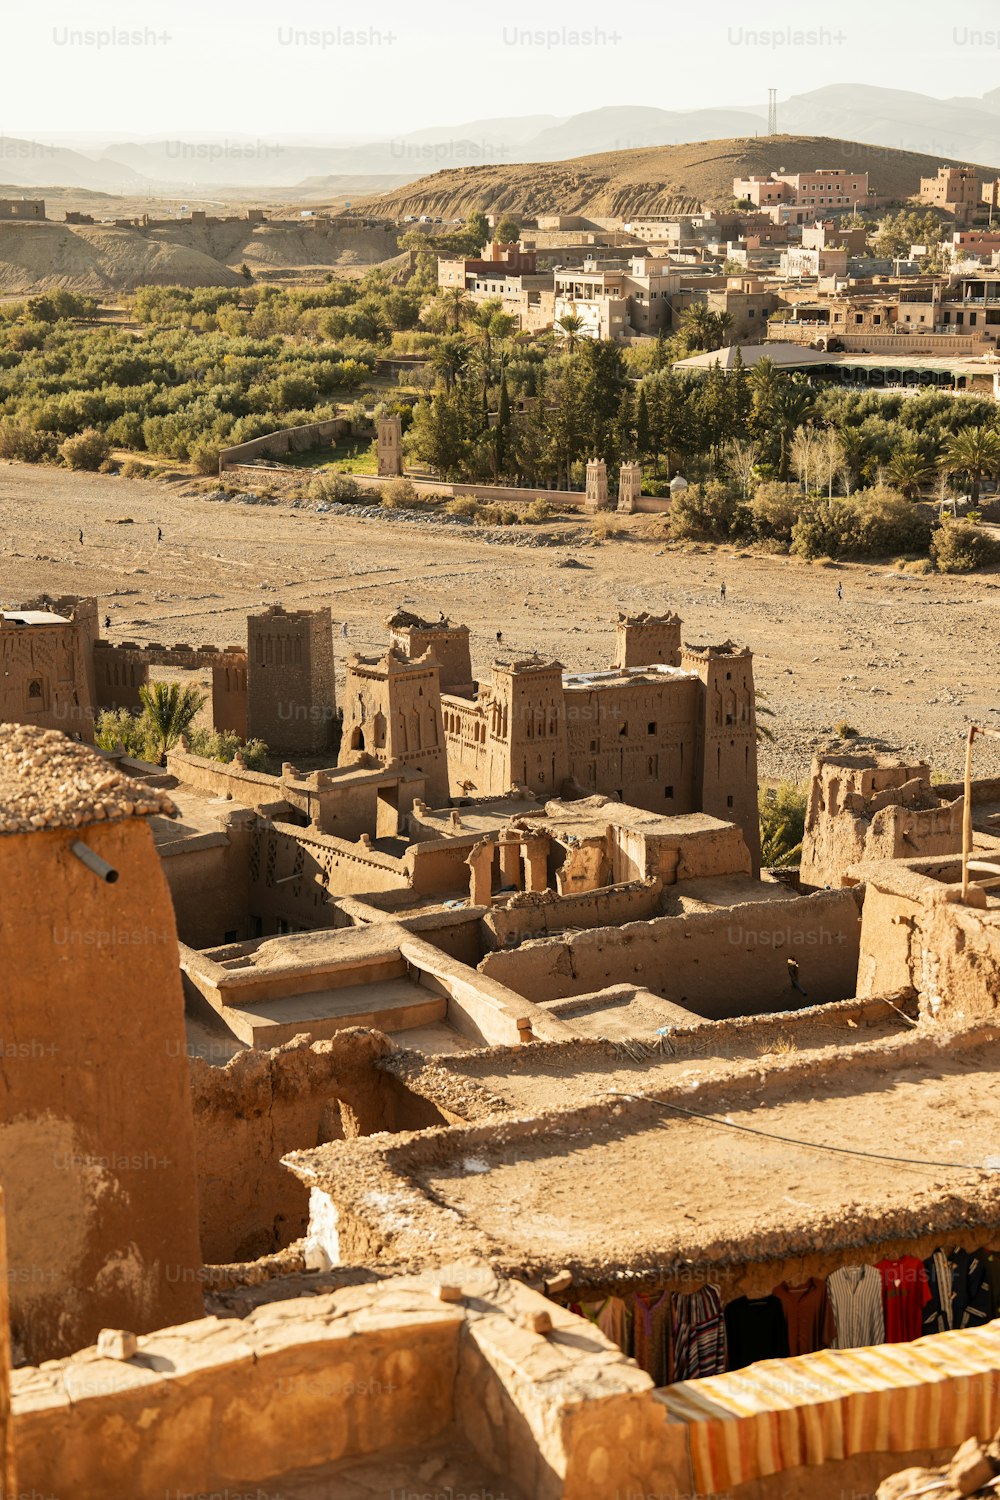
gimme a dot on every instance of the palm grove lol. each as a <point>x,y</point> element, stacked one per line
<point>819,470</point>
<point>772,459</point>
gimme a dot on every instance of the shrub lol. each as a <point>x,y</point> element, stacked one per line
<point>538,511</point>
<point>87,450</point>
<point>205,456</point>
<point>466,506</point>
<point>708,512</point>
<point>399,494</point>
<point>774,510</point>
<point>604,529</point>
<point>844,730</point>
<point>498,515</point>
<point>116,726</point>
<point>334,488</point>
<point>20,440</point>
<point>959,548</point>
<point>223,745</point>
<point>872,523</point>
<point>132,469</point>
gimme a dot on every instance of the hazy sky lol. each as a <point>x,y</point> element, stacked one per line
<point>253,67</point>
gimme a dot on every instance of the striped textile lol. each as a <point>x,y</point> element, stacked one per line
<point>698,1329</point>
<point>855,1294</point>
<point>894,1398</point>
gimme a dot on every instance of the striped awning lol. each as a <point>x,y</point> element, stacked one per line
<point>894,1398</point>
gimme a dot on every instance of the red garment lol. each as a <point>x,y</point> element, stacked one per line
<point>905,1294</point>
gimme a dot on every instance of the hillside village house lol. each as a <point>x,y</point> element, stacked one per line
<point>801,197</point>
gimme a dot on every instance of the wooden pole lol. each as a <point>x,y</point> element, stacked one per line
<point>967,816</point>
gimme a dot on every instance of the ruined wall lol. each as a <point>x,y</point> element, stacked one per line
<point>864,808</point>
<point>96,1144</point>
<point>291,698</point>
<point>263,1104</point>
<point>697,847</point>
<point>538,913</point>
<point>326,866</point>
<point>229,1404</point>
<point>918,933</point>
<point>120,670</point>
<point>286,440</point>
<point>718,964</point>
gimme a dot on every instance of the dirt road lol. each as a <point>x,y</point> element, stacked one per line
<point>908,659</point>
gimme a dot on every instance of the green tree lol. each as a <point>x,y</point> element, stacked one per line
<point>572,326</point>
<point>168,712</point>
<point>477,230</point>
<point>909,471</point>
<point>507,232</point>
<point>974,452</point>
<point>450,358</point>
<point>782,811</point>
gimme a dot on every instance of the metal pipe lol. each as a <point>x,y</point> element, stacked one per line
<point>94,862</point>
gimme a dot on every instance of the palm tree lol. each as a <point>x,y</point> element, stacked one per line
<point>782,824</point>
<point>456,304</point>
<point>975,452</point>
<point>723,326</point>
<point>793,406</point>
<point>571,325</point>
<point>168,712</point>
<point>698,326</point>
<point>908,470</point>
<point>450,358</point>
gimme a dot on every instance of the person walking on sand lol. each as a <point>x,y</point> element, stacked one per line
<point>159,534</point>
<point>81,536</point>
<point>840,590</point>
<point>722,591</point>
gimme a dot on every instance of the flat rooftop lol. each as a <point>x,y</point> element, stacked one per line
<point>558,1075</point>
<point>830,1155</point>
<point>33,617</point>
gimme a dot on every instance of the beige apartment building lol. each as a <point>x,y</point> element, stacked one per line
<point>801,260</point>
<point>799,197</point>
<point>956,191</point>
<point>616,302</point>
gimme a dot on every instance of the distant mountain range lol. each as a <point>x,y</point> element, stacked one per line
<point>964,128</point>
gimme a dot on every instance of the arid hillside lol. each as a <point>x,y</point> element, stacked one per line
<point>651,180</point>
<point>106,258</point>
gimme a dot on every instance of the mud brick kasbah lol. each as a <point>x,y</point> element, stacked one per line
<point>458,1105</point>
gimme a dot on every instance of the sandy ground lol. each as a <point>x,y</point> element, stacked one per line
<point>909,659</point>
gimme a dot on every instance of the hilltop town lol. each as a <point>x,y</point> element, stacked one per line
<point>500,840</point>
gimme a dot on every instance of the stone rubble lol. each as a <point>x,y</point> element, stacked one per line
<point>69,784</point>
